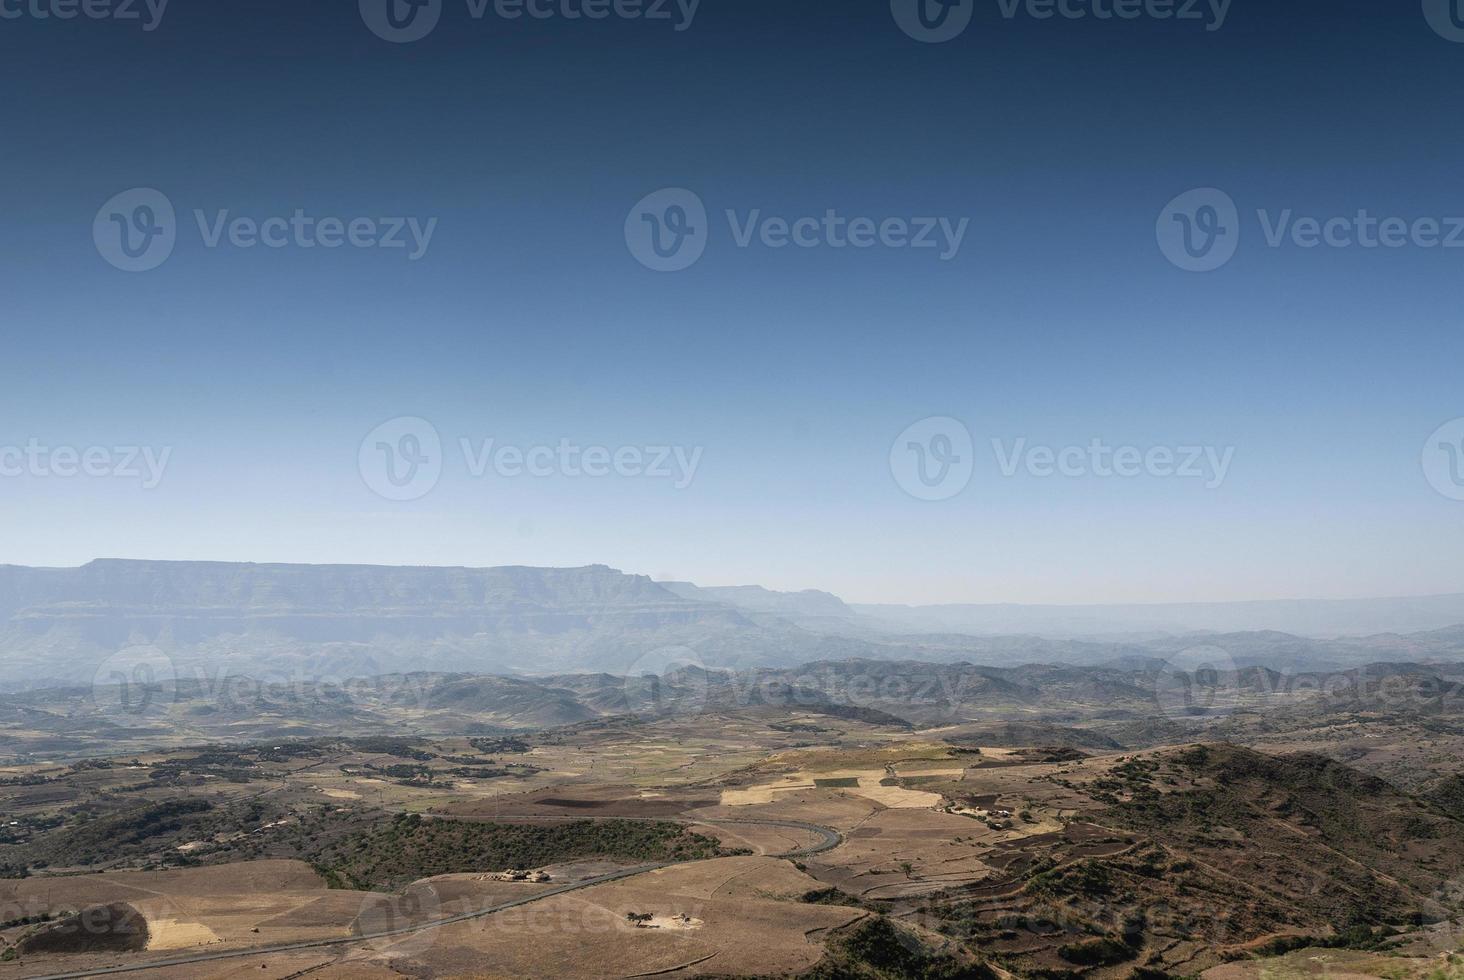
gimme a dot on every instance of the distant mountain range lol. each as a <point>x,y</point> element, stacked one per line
<point>1318,618</point>
<point>1321,618</point>
<point>63,626</point>
<point>1105,706</point>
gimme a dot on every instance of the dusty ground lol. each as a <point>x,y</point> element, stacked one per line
<point>742,922</point>
<point>747,925</point>
<point>1341,964</point>
<point>865,782</point>
<point>919,818</point>
<point>206,908</point>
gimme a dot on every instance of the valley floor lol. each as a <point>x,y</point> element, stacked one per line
<point>765,843</point>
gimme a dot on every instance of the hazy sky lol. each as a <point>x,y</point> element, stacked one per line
<point>1317,374</point>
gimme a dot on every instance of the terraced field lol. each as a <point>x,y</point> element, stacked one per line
<point>653,845</point>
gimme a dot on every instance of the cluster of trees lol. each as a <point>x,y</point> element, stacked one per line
<point>383,745</point>
<point>504,746</point>
<point>409,847</point>
<point>877,949</point>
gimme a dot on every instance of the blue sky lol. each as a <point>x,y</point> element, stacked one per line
<point>529,321</point>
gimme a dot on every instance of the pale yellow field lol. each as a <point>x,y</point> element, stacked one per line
<point>868,787</point>
<point>742,927</point>
<point>173,934</point>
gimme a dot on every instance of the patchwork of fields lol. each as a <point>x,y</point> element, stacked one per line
<point>736,845</point>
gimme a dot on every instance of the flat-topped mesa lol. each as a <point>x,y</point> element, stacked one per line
<point>347,620</point>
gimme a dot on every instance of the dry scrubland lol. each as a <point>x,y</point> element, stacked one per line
<point>956,857</point>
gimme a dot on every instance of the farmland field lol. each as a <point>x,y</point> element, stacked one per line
<point>657,841</point>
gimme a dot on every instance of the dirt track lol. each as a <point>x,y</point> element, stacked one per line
<point>828,840</point>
